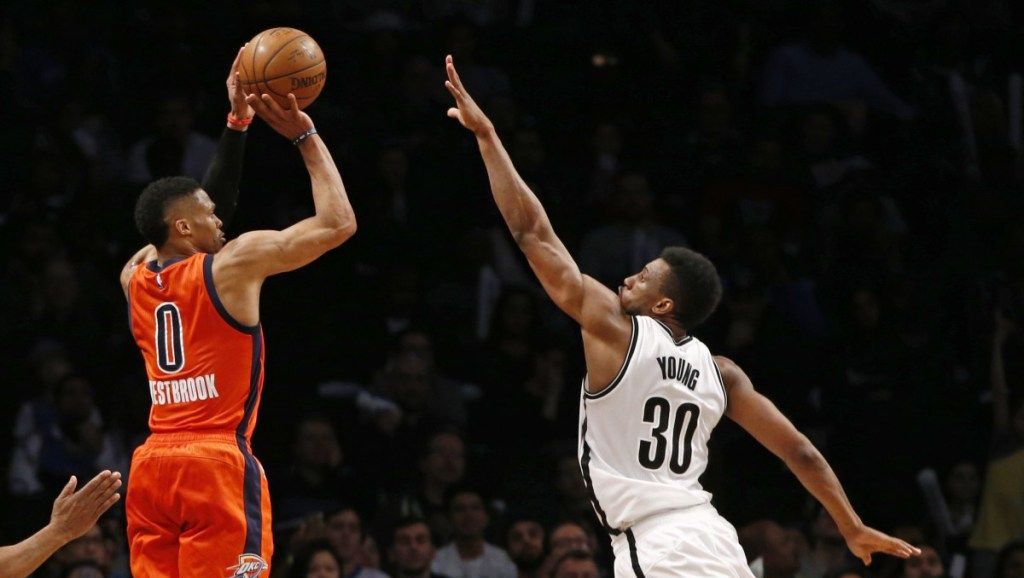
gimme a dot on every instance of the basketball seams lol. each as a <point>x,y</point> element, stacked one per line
<point>294,72</point>
<point>289,75</point>
<point>294,39</point>
<point>269,59</point>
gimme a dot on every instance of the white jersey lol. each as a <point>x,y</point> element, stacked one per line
<point>643,441</point>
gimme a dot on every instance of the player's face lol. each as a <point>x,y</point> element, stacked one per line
<point>639,293</point>
<point>207,235</point>
<point>413,551</point>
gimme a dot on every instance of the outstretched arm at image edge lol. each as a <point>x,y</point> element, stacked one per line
<point>74,513</point>
<point>759,416</point>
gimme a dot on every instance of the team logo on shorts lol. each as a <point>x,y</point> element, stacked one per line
<point>249,566</point>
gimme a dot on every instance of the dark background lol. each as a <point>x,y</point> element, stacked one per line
<point>865,222</point>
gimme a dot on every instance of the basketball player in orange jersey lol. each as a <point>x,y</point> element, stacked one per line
<point>653,394</point>
<point>197,503</point>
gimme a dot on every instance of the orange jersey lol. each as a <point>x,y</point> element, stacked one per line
<point>205,369</point>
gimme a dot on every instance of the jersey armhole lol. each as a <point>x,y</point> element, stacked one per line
<point>211,290</point>
<point>635,332</point>
<point>721,382</point>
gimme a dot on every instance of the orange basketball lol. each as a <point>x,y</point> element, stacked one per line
<point>282,60</point>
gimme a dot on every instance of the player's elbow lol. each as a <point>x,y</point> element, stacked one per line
<point>339,228</point>
<point>805,456</point>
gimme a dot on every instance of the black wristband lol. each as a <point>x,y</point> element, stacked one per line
<point>302,137</point>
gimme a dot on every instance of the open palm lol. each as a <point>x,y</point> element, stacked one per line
<point>867,541</point>
<point>465,110</point>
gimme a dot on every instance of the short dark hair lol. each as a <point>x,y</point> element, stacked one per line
<point>303,558</point>
<point>578,555</point>
<point>457,490</point>
<point>694,285</point>
<point>151,207</point>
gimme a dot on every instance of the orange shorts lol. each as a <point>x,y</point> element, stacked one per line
<point>198,507</point>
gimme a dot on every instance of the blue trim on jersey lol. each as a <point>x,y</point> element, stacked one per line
<point>155,266</point>
<point>252,482</point>
<point>217,304</point>
<point>252,493</point>
<point>255,372</point>
<point>625,363</point>
<point>633,558</point>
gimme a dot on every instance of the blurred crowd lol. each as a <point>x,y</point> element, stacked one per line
<point>854,169</point>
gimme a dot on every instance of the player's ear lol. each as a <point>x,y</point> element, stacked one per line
<point>663,306</point>
<point>182,227</point>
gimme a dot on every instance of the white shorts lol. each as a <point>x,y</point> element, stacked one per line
<point>695,542</point>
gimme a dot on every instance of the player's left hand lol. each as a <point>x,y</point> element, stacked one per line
<point>465,110</point>
<point>865,541</point>
<point>74,513</point>
<point>240,109</point>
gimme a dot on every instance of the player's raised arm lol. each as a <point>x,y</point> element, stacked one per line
<point>265,253</point>
<point>759,416</point>
<point>225,170</point>
<point>595,307</point>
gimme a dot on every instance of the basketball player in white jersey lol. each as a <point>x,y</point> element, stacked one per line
<point>653,393</point>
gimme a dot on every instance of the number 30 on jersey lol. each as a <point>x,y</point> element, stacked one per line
<point>658,411</point>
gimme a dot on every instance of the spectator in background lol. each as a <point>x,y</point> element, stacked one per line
<point>634,237</point>
<point>319,479</point>
<point>174,148</point>
<point>90,547</point>
<point>575,564</point>
<point>412,550</point>
<point>524,542</point>
<point>69,441</point>
<point>570,536</point>
<point>927,565</point>
<point>411,379</point>
<point>1010,563</point>
<point>317,560</point>
<point>442,465</point>
<point>1001,512</point>
<point>469,555</point>
<point>345,535</point>
<point>827,554</point>
<point>771,550</point>
<point>820,69</point>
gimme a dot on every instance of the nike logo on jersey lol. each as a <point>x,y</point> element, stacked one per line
<point>678,369</point>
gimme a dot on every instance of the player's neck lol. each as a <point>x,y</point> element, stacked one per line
<point>172,250</point>
<point>674,326</point>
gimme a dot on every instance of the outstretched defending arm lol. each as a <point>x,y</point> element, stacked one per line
<point>265,253</point>
<point>588,302</point>
<point>74,513</point>
<point>759,416</point>
<point>606,329</point>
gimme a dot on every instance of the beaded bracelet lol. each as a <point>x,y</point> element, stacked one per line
<point>302,137</point>
<point>238,122</point>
